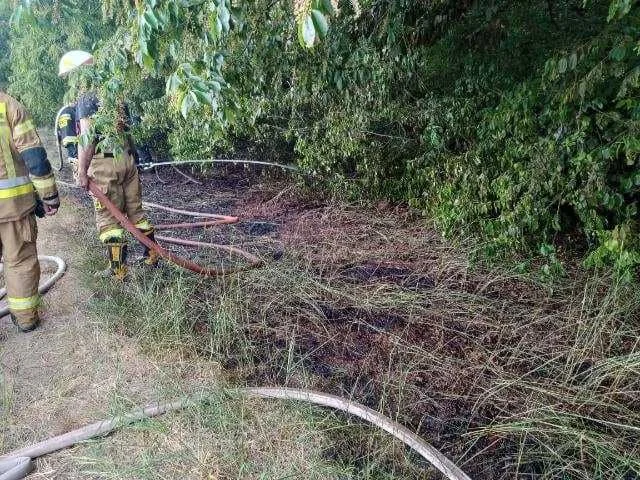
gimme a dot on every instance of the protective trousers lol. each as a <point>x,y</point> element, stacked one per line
<point>119,180</point>
<point>21,269</point>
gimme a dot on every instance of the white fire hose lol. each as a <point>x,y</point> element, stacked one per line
<point>17,464</point>
<point>44,287</point>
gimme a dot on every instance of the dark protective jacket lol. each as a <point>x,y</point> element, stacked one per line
<point>67,130</point>
<point>24,166</point>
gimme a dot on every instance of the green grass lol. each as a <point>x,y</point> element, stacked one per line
<point>228,436</point>
<point>6,400</point>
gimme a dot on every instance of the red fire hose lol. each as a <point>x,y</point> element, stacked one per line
<point>210,223</point>
<point>169,256</point>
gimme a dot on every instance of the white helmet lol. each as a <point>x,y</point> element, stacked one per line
<point>72,60</point>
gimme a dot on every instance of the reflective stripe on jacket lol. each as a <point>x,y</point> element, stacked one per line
<point>67,126</point>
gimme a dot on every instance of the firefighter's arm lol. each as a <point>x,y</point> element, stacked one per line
<point>85,154</point>
<point>27,143</point>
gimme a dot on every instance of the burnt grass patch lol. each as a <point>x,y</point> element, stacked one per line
<point>371,272</point>
<point>395,318</point>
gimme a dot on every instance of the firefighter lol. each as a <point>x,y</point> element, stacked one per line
<point>27,188</point>
<point>117,177</point>
<point>67,132</point>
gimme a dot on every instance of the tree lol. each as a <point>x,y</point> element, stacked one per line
<point>39,36</point>
<point>515,121</point>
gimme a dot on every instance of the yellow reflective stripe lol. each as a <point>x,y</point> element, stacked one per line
<point>43,184</point>
<point>5,147</point>
<point>6,138</point>
<point>67,140</point>
<point>111,233</point>
<point>144,225</point>
<point>23,303</point>
<point>64,120</point>
<point>24,127</point>
<point>16,191</point>
<point>10,166</point>
<point>116,250</point>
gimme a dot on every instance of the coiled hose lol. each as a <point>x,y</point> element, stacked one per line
<point>44,287</point>
<point>15,465</point>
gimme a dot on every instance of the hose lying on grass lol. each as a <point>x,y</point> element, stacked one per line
<point>187,225</point>
<point>22,458</point>
<point>16,468</point>
<point>149,165</point>
<point>44,287</point>
<point>254,261</point>
<point>215,216</point>
<point>171,257</point>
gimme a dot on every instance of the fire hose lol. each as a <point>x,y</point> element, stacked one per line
<point>150,165</point>
<point>170,256</point>
<point>44,287</point>
<point>215,219</point>
<point>17,464</point>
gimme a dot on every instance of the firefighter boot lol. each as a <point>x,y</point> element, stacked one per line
<point>149,256</point>
<point>117,255</point>
<point>26,323</point>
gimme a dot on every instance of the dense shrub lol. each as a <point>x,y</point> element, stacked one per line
<point>517,120</point>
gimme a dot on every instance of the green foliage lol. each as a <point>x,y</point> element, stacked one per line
<point>509,121</point>
<point>436,110</point>
<point>38,88</point>
<point>312,21</point>
<point>39,37</point>
<point>5,66</point>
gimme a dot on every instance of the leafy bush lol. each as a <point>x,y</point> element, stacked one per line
<point>4,44</point>
<point>34,79</point>
<point>436,110</point>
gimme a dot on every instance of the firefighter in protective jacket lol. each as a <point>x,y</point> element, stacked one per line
<point>67,132</point>
<point>116,175</point>
<point>27,187</point>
